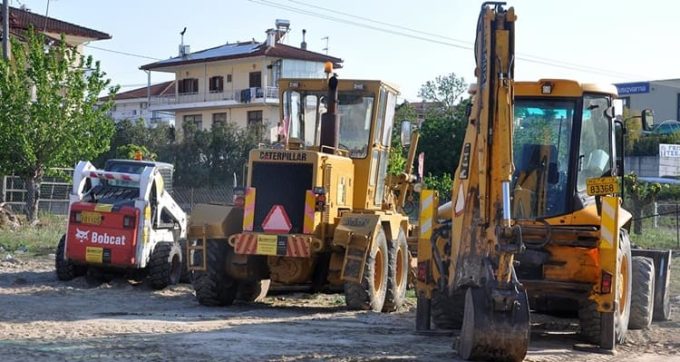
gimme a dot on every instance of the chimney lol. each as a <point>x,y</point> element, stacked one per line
<point>183,49</point>
<point>303,45</point>
<point>271,37</point>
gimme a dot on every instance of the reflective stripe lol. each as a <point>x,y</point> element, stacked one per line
<point>112,175</point>
<point>426,213</point>
<point>608,228</point>
<point>249,209</point>
<point>310,205</point>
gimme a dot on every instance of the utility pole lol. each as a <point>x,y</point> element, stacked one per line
<point>5,29</point>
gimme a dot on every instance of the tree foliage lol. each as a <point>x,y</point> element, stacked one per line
<point>203,158</point>
<point>443,131</point>
<point>444,90</point>
<point>50,114</point>
<point>156,141</point>
<point>639,194</point>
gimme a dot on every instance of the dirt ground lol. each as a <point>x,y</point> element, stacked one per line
<point>44,319</point>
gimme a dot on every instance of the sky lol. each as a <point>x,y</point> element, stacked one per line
<point>403,42</point>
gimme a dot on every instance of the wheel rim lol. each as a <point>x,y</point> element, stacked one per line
<point>400,267</point>
<point>378,274</point>
<point>622,285</point>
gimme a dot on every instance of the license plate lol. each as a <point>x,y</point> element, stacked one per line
<point>602,186</point>
<point>266,245</point>
<point>93,218</point>
<point>94,255</point>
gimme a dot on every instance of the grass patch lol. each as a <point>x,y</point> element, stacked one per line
<point>41,239</point>
<point>659,238</point>
<point>411,293</point>
<point>662,236</point>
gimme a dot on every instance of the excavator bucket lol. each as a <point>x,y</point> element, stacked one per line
<point>495,325</point>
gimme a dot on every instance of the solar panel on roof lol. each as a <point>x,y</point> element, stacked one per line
<point>221,51</point>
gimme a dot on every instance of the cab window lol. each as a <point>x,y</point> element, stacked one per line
<point>594,158</point>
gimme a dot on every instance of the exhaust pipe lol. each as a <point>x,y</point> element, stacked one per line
<point>330,124</point>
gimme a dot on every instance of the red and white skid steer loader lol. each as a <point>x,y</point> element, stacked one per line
<point>123,219</point>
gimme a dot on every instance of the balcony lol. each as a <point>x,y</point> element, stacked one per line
<point>228,98</point>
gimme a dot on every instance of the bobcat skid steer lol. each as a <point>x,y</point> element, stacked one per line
<point>123,220</point>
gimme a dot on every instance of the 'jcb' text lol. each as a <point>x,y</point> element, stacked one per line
<point>283,156</point>
<point>107,239</point>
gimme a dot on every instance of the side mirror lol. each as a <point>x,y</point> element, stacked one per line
<point>405,133</point>
<point>647,119</point>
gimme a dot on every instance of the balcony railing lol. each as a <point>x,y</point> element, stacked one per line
<point>246,95</point>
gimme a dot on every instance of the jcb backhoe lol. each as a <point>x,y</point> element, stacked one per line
<point>535,218</point>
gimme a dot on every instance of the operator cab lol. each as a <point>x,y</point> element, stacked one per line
<point>365,111</point>
<point>564,134</point>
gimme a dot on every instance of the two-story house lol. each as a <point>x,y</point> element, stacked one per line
<point>75,35</point>
<point>134,104</point>
<point>235,82</point>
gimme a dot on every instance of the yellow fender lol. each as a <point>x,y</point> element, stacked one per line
<point>355,234</point>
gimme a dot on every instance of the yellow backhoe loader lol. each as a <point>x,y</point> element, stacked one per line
<point>535,220</point>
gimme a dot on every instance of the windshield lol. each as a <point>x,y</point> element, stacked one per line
<point>542,137</point>
<point>302,114</point>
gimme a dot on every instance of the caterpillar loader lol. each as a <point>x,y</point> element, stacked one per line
<point>316,210</point>
<point>535,220</point>
<point>122,219</point>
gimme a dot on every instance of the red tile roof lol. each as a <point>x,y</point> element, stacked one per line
<point>160,89</point>
<point>245,50</point>
<point>21,19</point>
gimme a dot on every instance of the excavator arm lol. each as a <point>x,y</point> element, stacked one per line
<point>484,238</point>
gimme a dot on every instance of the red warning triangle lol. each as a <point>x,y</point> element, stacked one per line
<point>277,221</point>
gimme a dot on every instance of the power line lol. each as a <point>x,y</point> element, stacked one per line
<point>466,45</point>
<point>122,53</point>
<point>520,56</point>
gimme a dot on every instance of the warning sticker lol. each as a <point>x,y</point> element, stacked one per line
<point>266,245</point>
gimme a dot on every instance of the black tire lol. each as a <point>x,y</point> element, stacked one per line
<point>590,318</point>
<point>65,269</point>
<point>185,275</point>
<point>252,291</point>
<point>213,287</point>
<point>165,265</point>
<point>368,295</point>
<point>448,311</point>
<point>397,273</point>
<point>642,295</point>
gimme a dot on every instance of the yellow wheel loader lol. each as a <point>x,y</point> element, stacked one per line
<point>316,209</point>
<point>535,220</point>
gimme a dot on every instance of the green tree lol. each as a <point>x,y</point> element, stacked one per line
<point>157,141</point>
<point>443,130</point>
<point>130,150</point>
<point>445,91</point>
<point>50,115</point>
<point>404,112</point>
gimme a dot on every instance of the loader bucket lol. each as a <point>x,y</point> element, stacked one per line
<point>491,332</point>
